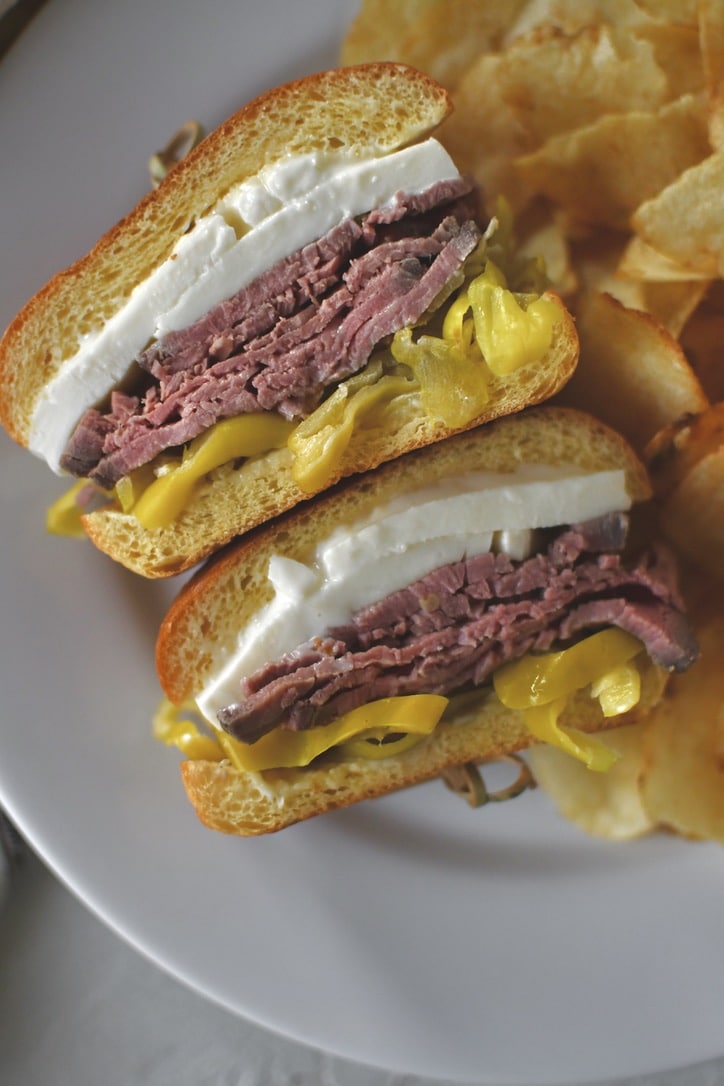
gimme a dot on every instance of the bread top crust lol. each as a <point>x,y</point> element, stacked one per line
<point>371,109</point>
<point>203,623</point>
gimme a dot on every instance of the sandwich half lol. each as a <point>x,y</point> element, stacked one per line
<point>454,606</point>
<point>309,293</point>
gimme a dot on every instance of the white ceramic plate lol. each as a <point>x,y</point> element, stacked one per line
<point>411,933</point>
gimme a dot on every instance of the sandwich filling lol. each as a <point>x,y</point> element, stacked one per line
<point>482,573</point>
<point>280,291</point>
<point>452,630</point>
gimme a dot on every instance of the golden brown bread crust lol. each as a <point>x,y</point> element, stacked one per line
<point>371,109</point>
<point>235,500</point>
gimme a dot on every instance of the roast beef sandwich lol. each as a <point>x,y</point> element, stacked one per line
<point>453,606</point>
<point>309,293</point>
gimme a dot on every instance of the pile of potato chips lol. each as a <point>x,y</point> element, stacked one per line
<point>602,124</point>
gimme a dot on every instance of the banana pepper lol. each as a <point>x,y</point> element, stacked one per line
<point>159,503</point>
<point>388,725</point>
<point>487,330</point>
<point>540,686</point>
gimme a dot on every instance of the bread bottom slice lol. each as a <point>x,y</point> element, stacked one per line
<point>247,804</point>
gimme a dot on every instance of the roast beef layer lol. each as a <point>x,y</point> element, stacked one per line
<point>302,326</point>
<point>450,630</point>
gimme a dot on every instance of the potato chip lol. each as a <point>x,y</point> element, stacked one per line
<point>632,373</point>
<point>642,261</point>
<point>686,219</point>
<point>604,804</point>
<point>677,52</point>
<point>484,137</point>
<point>602,173</point>
<point>597,264</point>
<point>626,291</point>
<point>714,301</point>
<point>555,82</point>
<point>571,15</point>
<point>703,341</point>
<point>546,240</point>
<point>682,782</point>
<point>441,37</point>
<point>602,122</point>
<point>596,257</point>
<point>711,32</point>
<point>677,448</point>
<point>692,515</point>
<point>508,104</point>
<point>672,304</point>
<point>681,12</point>
<point>686,464</point>
<point>598,269</point>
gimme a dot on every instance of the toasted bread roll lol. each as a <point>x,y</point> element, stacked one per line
<point>223,607</point>
<point>89,366</point>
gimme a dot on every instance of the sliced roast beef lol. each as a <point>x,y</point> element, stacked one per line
<point>440,194</point>
<point>283,289</point>
<point>453,628</point>
<point>301,327</point>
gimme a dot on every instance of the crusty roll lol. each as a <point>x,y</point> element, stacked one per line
<point>354,114</point>
<point>203,626</point>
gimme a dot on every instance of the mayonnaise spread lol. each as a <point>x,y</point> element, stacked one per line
<point>401,542</point>
<point>260,221</point>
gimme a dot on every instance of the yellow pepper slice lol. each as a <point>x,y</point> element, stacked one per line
<point>618,690</point>
<point>284,749</point>
<point>485,330</point>
<point>509,336</point>
<point>376,744</point>
<point>63,516</point>
<point>458,326</point>
<point>540,685</point>
<point>319,442</point>
<point>542,722</point>
<point>172,727</point>
<point>407,720</point>
<point>248,435</point>
<point>130,488</point>
<point>538,680</point>
<point>452,379</point>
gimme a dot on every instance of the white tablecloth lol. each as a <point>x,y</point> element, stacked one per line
<point>78,1007</point>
